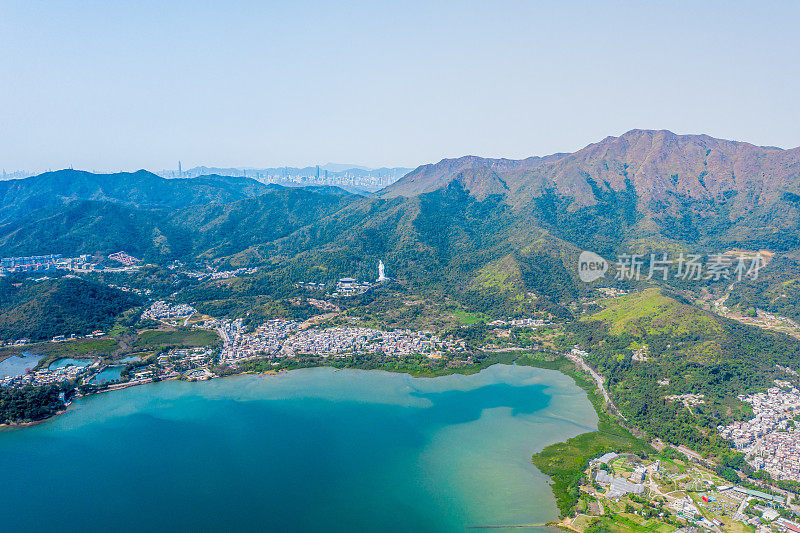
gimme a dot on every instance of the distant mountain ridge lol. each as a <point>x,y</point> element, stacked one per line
<point>139,189</point>
<point>476,221</point>
<point>684,184</point>
<point>658,162</point>
<point>160,230</point>
<point>482,173</point>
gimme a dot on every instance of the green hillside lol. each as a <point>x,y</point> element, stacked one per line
<point>140,189</point>
<point>42,310</point>
<point>95,227</point>
<point>211,230</point>
<point>681,350</point>
<point>651,314</point>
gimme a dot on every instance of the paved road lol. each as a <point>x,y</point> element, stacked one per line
<point>578,360</point>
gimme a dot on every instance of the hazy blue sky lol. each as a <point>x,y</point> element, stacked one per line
<point>141,84</point>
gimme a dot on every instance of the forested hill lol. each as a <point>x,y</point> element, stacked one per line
<point>140,189</point>
<point>210,229</point>
<point>652,346</point>
<point>44,309</point>
<point>491,229</point>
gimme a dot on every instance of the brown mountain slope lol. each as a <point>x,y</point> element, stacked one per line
<point>680,182</point>
<point>469,168</point>
<point>660,164</point>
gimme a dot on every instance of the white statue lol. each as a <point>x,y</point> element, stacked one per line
<point>381,272</point>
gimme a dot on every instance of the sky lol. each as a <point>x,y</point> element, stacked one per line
<point>125,85</point>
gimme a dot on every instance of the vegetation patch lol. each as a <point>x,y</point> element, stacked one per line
<point>183,338</point>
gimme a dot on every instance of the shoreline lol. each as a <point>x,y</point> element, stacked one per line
<point>464,371</point>
<point>380,387</point>
<point>11,425</point>
<point>559,363</point>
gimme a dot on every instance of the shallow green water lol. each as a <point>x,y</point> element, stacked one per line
<point>68,361</point>
<point>309,450</point>
<point>110,373</point>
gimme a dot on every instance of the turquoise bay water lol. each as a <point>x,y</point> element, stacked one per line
<point>110,373</point>
<point>68,361</point>
<point>309,450</point>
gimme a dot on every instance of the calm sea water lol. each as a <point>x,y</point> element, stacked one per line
<point>110,373</point>
<point>18,365</point>
<point>68,361</point>
<point>309,450</point>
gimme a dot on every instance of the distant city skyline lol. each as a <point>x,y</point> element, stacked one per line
<point>246,83</point>
<point>180,168</point>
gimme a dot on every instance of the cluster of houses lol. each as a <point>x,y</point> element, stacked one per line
<point>688,400</point>
<point>72,337</point>
<point>161,310</point>
<point>192,362</point>
<point>50,262</point>
<point>341,340</point>
<point>518,322</point>
<point>286,338</point>
<point>221,274</point>
<point>48,376</point>
<point>771,439</point>
<point>17,342</point>
<point>45,263</point>
<point>124,258</point>
<point>125,288</point>
<point>239,345</point>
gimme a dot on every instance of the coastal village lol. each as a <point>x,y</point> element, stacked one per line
<point>277,340</point>
<point>287,338</point>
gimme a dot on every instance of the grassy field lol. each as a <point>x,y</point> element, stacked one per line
<point>625,523</point>
<point>80,348</point>
<point>502,274</point>
<point>157,338</point>
<point>466,318</point>
<point>651,313</point>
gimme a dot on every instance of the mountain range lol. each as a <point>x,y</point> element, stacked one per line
<point>685,186</point>
<point>486,225</point>
<point>141,189</point>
